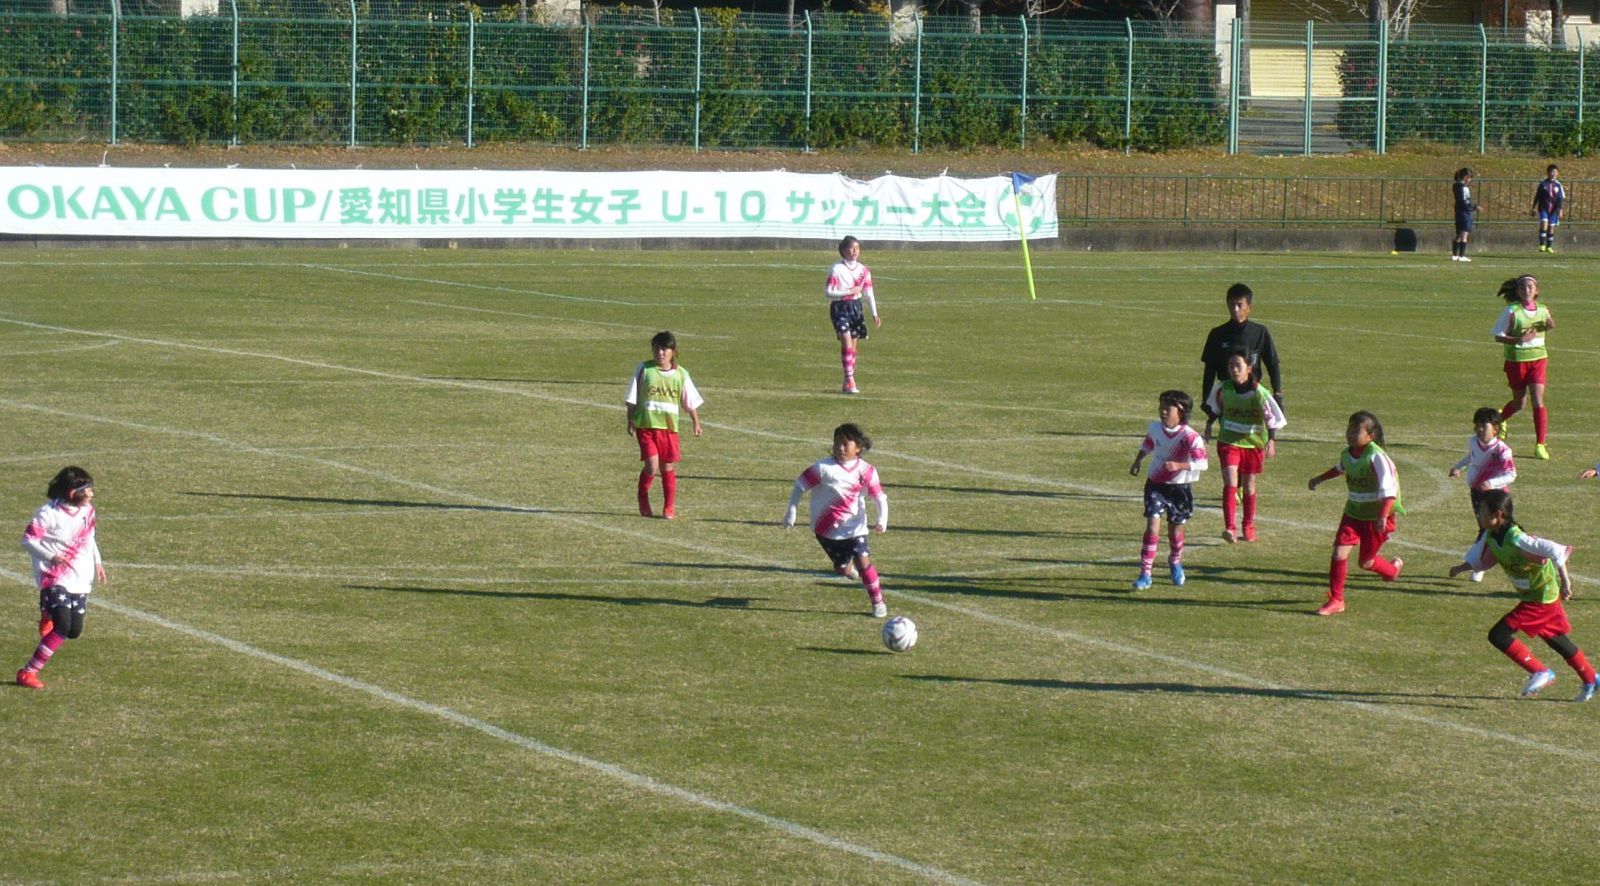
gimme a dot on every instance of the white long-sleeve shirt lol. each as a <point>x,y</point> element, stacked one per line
<point>60,528</point>
<point>1487,467</point>
<point>1183,444</point>
<point>838,498</point>
<point>845,276</point>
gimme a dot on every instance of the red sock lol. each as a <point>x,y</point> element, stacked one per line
<point>1230,507</point>
<point>1582,666</point>
<point>47,647</point>
<point>669,486</point>
<point>1147,554</point>
<point>869,580</point>
<point>1175,543</point>
<point>1541,423</point>
<point>1250,510</point>
<point>1510,409</point>
<point>646,480</point>
<point>1523,656</point>
<point>1384,568</point>
<point>1337,571</point>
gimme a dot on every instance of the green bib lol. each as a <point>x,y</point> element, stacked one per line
<point>660,394</point>
<point>1244,417</point>
<point>1534,582</point>
<point>1365,501</point>
<point>1520,323</point>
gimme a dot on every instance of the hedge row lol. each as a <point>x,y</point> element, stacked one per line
<point>174,83</point>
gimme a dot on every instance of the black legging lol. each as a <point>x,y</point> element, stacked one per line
<point>1501,636</point>
<point>68,622</point>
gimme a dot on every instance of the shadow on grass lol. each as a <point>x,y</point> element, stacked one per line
<point>390,503</point>
<point>1342,696</point>
<point>836,651</point>
<point>744,603</point>
<point>520,381</point>
<point>903,528</point>
<point>1132,495</point>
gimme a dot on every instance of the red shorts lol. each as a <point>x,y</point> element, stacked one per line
<point>1520,375</point>
<point>1544,620</point>
<point>1366,534</point>
<point>658,442</point>
<point>1248,461</point>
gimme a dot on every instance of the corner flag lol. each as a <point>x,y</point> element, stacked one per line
<point>1018,181</point>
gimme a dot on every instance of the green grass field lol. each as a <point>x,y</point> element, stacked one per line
<point>382,609</point>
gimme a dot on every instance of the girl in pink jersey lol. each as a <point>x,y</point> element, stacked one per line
<point>66,563</point>
<point>1488,463</point>
<point>839,488</point>
<point>850,283</point>
<point>1179,455</point>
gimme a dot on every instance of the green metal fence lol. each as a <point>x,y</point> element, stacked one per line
<point>441,73</point>
<point>1260,201</point>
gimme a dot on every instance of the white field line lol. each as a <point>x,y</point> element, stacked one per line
<point>654,538</point>
<point>526,316</point>
<point>412,572</point>
<point>610,770</point>
<point>479,287</point>
<point>978,614</point>
<point>61,350</point>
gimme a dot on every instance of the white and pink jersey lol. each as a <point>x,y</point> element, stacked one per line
<point>846,276</point>
<point>1488,467</point>
<point>59,528</point>
<point>1181,444</point>
<point>838,498</point>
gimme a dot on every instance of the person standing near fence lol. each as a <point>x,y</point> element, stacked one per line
<point>1466,214</point>
<point>1548,198</point>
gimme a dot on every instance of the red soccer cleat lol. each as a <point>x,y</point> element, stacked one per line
<point>1249,532</point>
<point>1332,607</point>
<point>30,679</point>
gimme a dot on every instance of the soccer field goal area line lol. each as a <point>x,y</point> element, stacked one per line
<point>649,537</point>
<point>976,614</point>
<point>610,770</point>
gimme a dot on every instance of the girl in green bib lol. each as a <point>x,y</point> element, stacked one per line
<point>1521,329</point>
<point>1537,568</point>
<point>1369,511</point>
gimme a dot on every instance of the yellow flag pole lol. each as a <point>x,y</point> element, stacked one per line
<point>1022,228</point>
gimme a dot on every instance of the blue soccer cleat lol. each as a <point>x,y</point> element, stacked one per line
<point>1537,682</point>
<point>1586,691</point>
<point>1143,582</point>
<point>1177,575</point>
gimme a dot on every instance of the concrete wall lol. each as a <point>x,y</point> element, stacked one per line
<point>1432,240</point>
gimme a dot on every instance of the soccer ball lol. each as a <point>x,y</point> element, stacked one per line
<point>899,634</point>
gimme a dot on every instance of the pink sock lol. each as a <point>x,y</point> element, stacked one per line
<point>669,487</point>
<point>1175,543</point>
<point>1384,568</point>
<point>1337,571</point>
<point>1541,423</point>
<point>646,480</point>
<point>1147,554</point>
<point>1523,656</point>
<point>869,580</point>
<point>47,647</point>
<point>847,357</point>
<point>1581,664</point>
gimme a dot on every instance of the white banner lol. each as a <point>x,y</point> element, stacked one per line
<point>431,204</point>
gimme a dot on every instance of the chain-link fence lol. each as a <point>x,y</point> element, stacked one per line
<point>389,72</point>
<point>1085,200</point>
